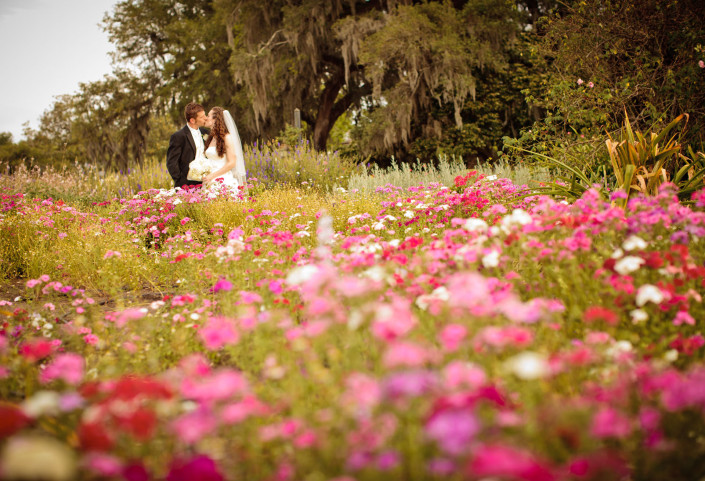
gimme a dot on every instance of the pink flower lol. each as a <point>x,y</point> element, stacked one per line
<point>249,297</point>
<point>701,64</point>
<point>453,430</point>
<point>590,84</point>
<point>222,285</point>
<point>683,317</point>
<point>363,392</point>
<point>496,461</point>
<point>221,385</point>
<point>104,464</point>
<point>609,423</point>
<point>123,317</point>
<point>91,339</point>
<point>219,332</point>
<point>67,367</point>
<point>459,374</point>
<point>452,335</point>
<point>580,81</point>
<point>405,354</point>
<point>110,254</point>
<point>193,426</point>
<point>184,220</point>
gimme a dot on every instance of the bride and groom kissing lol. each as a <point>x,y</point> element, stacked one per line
<point>215,163</point>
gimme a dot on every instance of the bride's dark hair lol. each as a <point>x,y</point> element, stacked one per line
<point>218,131</point>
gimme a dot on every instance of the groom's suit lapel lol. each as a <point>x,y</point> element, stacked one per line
<point>187,133</point>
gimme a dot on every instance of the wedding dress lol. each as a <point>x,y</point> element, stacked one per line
<point>234,179</point>
<point>215,163</point>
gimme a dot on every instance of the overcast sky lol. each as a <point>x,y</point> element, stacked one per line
<point>48,48</point>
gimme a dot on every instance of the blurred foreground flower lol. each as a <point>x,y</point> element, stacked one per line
<point>37,457</point>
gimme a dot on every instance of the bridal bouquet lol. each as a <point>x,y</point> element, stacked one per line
<point>198,168</point>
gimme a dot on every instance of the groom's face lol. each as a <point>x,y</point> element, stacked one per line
<point>199,120</point>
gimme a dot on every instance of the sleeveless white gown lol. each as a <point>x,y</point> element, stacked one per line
<point>216,162</point>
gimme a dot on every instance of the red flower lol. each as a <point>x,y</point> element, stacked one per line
<point>598,313</point>
<point>94,437</point>
<point>35,349</point>
<point>140,424</point>
<point>12,419</point>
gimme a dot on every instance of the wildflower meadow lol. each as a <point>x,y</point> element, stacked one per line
<point>458,331</point>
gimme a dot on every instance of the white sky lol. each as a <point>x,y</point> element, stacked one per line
<point>48,48</point>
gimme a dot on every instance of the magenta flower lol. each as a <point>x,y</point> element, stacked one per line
<point>222,285</point>
<point>609,423</point>
<point>200,468</point>
<point>497,461</point>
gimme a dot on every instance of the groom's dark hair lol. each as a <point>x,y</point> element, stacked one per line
<point>191,110</point>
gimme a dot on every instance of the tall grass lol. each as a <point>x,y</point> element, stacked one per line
<point>444,172</point>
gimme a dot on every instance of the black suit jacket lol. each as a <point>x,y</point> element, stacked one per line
<point>181,151</point>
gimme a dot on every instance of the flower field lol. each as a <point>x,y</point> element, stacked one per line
<point>422,333</point>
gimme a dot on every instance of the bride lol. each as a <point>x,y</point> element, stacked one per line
<point>225,155</point>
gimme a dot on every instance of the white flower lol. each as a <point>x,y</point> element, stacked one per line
<point>617,253</point>
<point>475,225</point>
<point>518,217</point>
<point>378,226</point>
<point>301,274</point>
<point>634,243</point>
<point>649,293</point>
<point>43,402</point>
<point>638,315</point>
<point>628,264</point>
<point>491,259</point>
<point>408,214</point>
<point>619,347</point>
<point>671,356</point>
<point>438,294</point>
<point>528,365</point>
<point>492,177</point>
<point>375,273</point>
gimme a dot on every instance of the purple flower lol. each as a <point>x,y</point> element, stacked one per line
<point>453,430</point>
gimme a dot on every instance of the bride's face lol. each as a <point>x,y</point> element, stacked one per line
<point>210,120</point>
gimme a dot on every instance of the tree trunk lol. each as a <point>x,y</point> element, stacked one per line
<point>325,117</point>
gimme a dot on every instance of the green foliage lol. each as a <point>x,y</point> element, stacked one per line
<point>603,58</point>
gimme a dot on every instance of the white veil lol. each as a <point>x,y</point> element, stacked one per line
<point>239,170</point>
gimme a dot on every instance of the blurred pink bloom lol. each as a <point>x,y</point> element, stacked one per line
<point>609,423</point>
<point>452,335</point>
<point>91,339</point>
<point>103,464</point>
<point>249,297</point>
<point>109,254</point>
<point>405,354</point>
<point>221,385</point>
<point>590,84</point>
<point>460,374</point>
<point>497,461</point>
<point>701,64</point>
<point>363,392</point>
<point>453,430</point>
<point>49,306</point>
<point>123,317</point>
<point>222,285</point>
<point>683,317</point>
<point>67,367</point>
<point>219,332</point>
<point>580,81</point>
<point>393,320</point>
<point>193,426</point>
<point>238,412</point>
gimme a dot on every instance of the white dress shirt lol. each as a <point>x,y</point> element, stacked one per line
<point>200,147</point>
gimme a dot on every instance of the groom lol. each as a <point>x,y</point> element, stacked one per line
<point>185,144</point>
